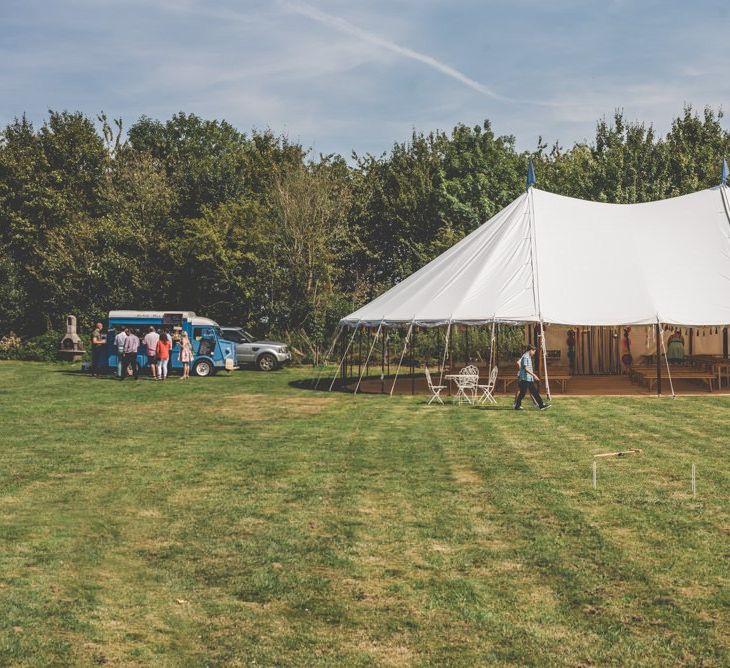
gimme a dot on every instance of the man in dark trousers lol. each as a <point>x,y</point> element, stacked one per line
<point>131,345</point>
<point>98,346</point>
<point>527,378</point>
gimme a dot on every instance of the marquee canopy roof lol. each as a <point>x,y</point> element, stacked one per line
<point>562,260</point>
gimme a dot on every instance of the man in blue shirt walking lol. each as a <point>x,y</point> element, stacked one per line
<point>526,378</point>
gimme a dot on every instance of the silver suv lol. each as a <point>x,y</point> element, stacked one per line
<point>266,355</point>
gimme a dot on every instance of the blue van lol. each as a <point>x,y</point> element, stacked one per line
<point>211,351</point>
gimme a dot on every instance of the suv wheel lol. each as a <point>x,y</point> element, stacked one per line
<point>267,362</point>
<point>203,368</point>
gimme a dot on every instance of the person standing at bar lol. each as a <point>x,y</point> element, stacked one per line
<point>119,340</point>
<point>162,354</point>
<point>150,343</point>
<point>185,355</point>
<point>98,343</point>
<point>131,346</point>
<point>527,378</point>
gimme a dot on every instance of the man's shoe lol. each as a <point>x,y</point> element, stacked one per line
<point>544,407</point>
<point>519,408</point>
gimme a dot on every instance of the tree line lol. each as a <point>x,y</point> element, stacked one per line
<point>251,229</point>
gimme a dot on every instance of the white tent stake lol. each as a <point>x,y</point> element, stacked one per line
<point>694,480</point>
<point>594,474</point>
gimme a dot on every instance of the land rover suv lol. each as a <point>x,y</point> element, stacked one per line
<point>265,355</point>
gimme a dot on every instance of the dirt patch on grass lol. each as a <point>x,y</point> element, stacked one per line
<point>259,407</point>
<point>387,654</point>
<point>465,476</point>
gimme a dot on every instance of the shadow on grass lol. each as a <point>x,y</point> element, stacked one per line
<point>372,387</point>
<point>369,385</point>
<point>106,376</point>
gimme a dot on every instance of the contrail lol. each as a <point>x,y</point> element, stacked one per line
<point>349,29</point>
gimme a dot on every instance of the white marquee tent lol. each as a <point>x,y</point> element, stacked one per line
<point>554,259</point>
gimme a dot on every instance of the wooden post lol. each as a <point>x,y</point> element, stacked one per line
<point>590,350</point>
<point>724,342</point>
<point>658,360</point>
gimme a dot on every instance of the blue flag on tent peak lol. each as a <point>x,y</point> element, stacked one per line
<point>725,172</point>
<point>531,180</point>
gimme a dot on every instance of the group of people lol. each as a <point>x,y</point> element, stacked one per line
<point>157,346</point>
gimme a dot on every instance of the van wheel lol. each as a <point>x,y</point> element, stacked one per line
<point>267,362</point>
<point>203,368</point>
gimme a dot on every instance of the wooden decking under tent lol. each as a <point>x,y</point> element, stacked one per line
<point>686,382</point>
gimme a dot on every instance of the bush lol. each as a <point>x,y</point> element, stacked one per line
<point>10,347</point>
<point>43,348</point>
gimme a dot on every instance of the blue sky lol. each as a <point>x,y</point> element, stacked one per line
<point>339,75</point>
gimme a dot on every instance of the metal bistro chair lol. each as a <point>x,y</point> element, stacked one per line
<point>488,389</point>
<point>466,385</point>
<point>435,389</point>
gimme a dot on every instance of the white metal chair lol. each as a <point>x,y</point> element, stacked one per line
<point>466,385</point>
<point>435,389</point>
<point>488,389</point>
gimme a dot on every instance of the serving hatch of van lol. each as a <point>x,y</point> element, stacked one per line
<point>211,351</point>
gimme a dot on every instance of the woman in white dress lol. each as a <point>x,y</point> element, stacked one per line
<point>185,355</point>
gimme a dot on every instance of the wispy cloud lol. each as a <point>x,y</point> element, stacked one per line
<point>328,75</point>
<point>343,26</point>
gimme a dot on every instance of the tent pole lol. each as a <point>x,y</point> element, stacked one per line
<point>446,350</point>
<point>544,361</point>
<point>345,355</point>
<point>450,356</point>
<point>491,349</point>
<point>402,355</point>
<point>359,352</point>
<point>658,361</point>
<point>413,365</point>
<point>669,372</point>
<point>338,331</point>
<point>367,361</point>
<point>382,364</point>
<point>496,345</point>
<point>387,351</point>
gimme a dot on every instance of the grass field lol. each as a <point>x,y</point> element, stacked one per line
<point>240,520</point>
